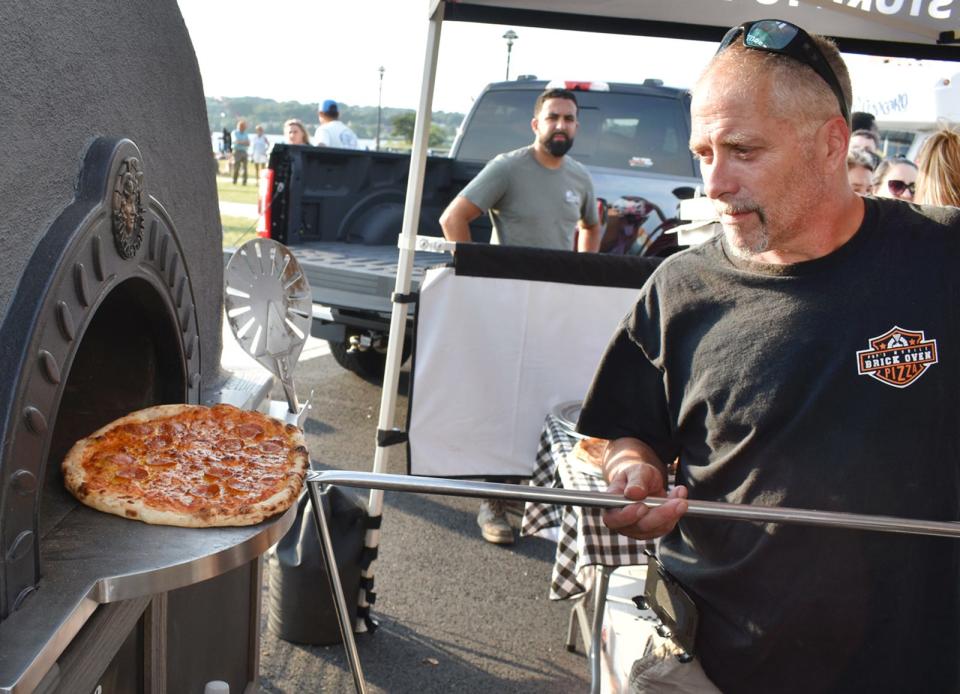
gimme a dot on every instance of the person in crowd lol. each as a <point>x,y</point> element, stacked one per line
<point>227,145</point>
<point>536,196</point>
<point>860,164</point>
<point>258,150</point>
<point>865,139</point>
<point>772,361</point>
<point>241,145</point>
<point>895,178</point>
<point>332,132</point>
<point>861,120</point>
<point>938,169</point>
<point>295,132</point>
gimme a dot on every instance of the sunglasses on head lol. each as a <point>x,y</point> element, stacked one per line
<point>898,187</point>
<point>784,38</point>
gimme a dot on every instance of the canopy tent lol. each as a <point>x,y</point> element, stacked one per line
<point>906,28</point>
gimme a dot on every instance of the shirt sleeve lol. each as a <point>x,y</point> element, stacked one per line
<point>322,137</point>
<point>488,186</point>
<point>628,398</point>
<point>589,214</point>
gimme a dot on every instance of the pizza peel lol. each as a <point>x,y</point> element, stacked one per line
<point>269,308</point>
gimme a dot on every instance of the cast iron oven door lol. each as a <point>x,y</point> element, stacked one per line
<point>103,322</point>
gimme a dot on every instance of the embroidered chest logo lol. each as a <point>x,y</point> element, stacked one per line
<point>898,357</point>
<point>572,198</point>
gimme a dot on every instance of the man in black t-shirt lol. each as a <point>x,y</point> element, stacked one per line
<point>805,357</point>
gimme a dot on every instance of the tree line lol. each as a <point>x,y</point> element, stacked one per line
<point>395,123</point>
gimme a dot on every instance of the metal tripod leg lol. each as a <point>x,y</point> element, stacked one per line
<point>336,587</point>
<point>601,581</point>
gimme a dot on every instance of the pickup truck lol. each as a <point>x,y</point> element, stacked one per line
<point>340,211</point>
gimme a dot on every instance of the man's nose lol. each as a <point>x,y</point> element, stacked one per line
<point>719,179</point>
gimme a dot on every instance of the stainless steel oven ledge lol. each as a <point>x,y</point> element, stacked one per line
<point>142,560</point>
<point>93,558</point>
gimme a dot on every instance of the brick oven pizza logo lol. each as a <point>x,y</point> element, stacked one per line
<point>898,357</point>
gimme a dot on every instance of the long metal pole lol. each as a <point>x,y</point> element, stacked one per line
<point>407,245</point>
<point>379,108</point>
<point>572,497</point>
<point>336,588</point>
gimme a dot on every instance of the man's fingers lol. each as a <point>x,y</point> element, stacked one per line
<point>644,523</point>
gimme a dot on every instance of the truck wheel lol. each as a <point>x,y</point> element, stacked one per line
<point>368,365</point>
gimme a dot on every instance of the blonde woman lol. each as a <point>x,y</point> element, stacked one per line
<point>938,178</point>
<point>295,132</point>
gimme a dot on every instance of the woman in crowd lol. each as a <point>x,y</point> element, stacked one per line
<point>938,177</point>
<point>895,178</point>
<point>259,146</point>
<point>295,132</point>
<point>860,171</point>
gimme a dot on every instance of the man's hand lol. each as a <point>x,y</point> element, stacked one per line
<point>635,471</point>
<point>455,220</point>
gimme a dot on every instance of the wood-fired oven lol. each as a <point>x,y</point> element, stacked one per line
<point>111,300</point>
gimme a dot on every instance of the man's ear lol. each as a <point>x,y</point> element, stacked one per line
<point>835,143</point>
<point>533,124</point>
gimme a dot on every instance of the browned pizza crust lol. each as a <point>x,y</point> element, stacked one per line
<point>590,450</point>
<point>169,486</point>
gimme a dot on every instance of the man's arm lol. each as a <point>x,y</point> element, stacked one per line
<point>633,469</point>
<point>455,220</point>
<point>588,241</point>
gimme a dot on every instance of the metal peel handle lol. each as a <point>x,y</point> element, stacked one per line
<point>573,497</point>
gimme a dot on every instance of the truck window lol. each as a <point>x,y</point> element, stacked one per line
<point>633,132</point>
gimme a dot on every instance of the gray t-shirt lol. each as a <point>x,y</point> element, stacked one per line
<point>531,205</point>
<point>832,384</point>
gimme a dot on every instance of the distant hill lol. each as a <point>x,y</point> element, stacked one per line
<point>224,113</point>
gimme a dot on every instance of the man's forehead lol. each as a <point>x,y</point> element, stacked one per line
<point>558,105</point>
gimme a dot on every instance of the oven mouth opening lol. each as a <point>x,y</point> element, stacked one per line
<point>129,358</point>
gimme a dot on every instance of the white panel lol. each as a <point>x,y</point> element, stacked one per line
<point>493,358</point>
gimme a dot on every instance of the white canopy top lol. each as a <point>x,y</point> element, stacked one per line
<point>882,27</point>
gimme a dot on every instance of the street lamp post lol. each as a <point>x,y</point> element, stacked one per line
<point>510,36</point>
<point>379,106</point>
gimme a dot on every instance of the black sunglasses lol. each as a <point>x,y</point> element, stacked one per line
<point>784,38</point>
<point>897,187</point>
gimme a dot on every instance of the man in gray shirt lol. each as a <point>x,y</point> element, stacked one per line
<point>536,196</point>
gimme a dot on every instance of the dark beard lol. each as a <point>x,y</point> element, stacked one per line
<point>558,145</point>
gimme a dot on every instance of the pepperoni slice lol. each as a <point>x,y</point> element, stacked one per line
<point>159,461</point>
<point>132,473</point>
<point>140,429</point>
<point>271,447</point>
<point>121,459</point>
<point>249,430</point>
<point>208,490</point>
<point>158,442</point>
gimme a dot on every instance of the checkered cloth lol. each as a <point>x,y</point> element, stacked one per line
<point>583,538</point>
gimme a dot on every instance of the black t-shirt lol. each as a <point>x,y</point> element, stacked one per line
<point>831,384</point>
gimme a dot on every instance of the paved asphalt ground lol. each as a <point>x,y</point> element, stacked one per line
<point>456,614</point>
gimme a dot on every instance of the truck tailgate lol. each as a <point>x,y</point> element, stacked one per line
<point>357,277</point>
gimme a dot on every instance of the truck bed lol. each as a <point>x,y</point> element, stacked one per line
<point>355,276</point>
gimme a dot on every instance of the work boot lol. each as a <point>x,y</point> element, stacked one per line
<point>492,520</point>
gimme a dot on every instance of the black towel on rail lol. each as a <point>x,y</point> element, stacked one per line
<point>537,264</point>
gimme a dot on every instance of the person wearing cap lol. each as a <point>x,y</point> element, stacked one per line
<point>332,132</point>
<point>806,357</point>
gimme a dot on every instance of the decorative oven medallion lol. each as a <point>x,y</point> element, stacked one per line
<point>128,207</point>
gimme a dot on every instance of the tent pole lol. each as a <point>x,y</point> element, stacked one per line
<point>407,245</point>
